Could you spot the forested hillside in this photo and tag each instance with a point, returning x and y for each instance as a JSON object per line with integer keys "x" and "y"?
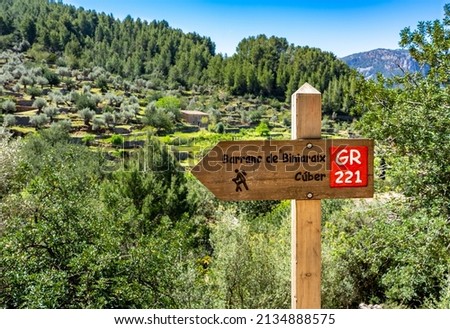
{"x": 98, "y": 208}
{"x": 167, "y": 57}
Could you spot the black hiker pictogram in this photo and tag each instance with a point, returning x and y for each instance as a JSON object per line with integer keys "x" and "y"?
{"x": 240, "y": 179}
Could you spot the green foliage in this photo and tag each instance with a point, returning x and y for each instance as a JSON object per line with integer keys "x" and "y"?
{"x": 263, "y": 129}
{"x": 165, "y": 56}
{"x": 109, "y": 118}
{"x": 42, "y": 81}
{"x": 220, "y": 128}
{"x": 159, "y": 118}
{"x": 39, "y": 120}
{"x": 28, "y": 29}
{"x": 9, "y": 161}
{"x": 251, "y": 266}
{"x": 69, "y": 83}
{"x": 98, "y": 123}
{"x": 255, "y": 115}
{"x": 51, "y": 229}
{"x": 148, "y": 191}
{"x": 84, "y": 101}
{"x": 34, "y": 92}
{"x": 168, "y": 103}
{"x": 87, "y": 115}
{"x": 395, "y": 251}
{"x": 52, "y": 78}
{"x": 88, "y": 139}
{"x": 411, "y": 122}
{"x": 25, "y": 81}
{"x": 9, "y": 120}
{"x": 8, "y": 106}
{"x": 384, "y": 253}
{"x": 50, "y": 112}
{"x": 128, "y": 47}
{"x": 253, "y": 209}
{"x": 272, "y": 67}
{"x": 102, "y": 83}
{"x": 80, "y": 231}
{"x": 428, "y": 44}
{"x": 39, "y": 103}
{"x": 117, "y": 140}
{"x": 136, "y": 250}
{"x": 59, "y": 132}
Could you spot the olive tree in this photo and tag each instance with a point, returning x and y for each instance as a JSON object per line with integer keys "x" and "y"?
{"x": 8, "y": 106}
{"x": 40, "y": 103}
{"x": 39, "y": 120}
{"x": 50, "y": 112}
{"x": 26, "y": 81}
{"x": 9, "y": 120}
{"x": 158, "y": 118}
{"x": 87, "y": 115}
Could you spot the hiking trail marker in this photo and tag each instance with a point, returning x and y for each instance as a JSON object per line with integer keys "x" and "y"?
{"x": 305, "y": 169}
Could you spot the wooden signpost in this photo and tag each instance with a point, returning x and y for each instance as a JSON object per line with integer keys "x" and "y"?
{"x": 305, "y": 169}
{"x": 297, "y": 169}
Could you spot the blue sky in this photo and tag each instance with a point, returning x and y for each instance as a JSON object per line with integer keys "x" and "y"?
{"x": 340, "y": 26}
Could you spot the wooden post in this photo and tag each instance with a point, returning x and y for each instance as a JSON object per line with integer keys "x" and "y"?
{"x": 306, "y": 214}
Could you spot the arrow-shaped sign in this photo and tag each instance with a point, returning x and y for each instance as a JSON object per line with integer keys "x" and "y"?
{"x": 292, "y": 169}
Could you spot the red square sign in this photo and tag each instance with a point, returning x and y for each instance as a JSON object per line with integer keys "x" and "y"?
{"x": 349, "y": 166}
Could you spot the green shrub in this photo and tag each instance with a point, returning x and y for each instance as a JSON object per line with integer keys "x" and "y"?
{"x": 263, "y": 129}
{"x": 384, "y": 253}
{"x": 181, "y": 141}
{"x": 220, "y": 128}
{"x": 251, "y": 264}
{"x": 88, "y": 139}
{"x": 117, "y": 140}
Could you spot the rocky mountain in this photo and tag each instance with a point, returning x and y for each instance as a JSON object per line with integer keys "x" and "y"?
{"x": 388, "y": 62}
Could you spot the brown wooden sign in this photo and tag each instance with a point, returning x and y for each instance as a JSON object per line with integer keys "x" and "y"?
{"x": 292, "y": 169}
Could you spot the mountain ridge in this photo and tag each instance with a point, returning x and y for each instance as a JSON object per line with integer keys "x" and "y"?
{"x": 388, "y": 62}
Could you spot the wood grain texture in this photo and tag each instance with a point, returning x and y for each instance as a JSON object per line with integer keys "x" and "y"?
{"x": 274, "y": 171}
{"x": 306, "y": 214}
